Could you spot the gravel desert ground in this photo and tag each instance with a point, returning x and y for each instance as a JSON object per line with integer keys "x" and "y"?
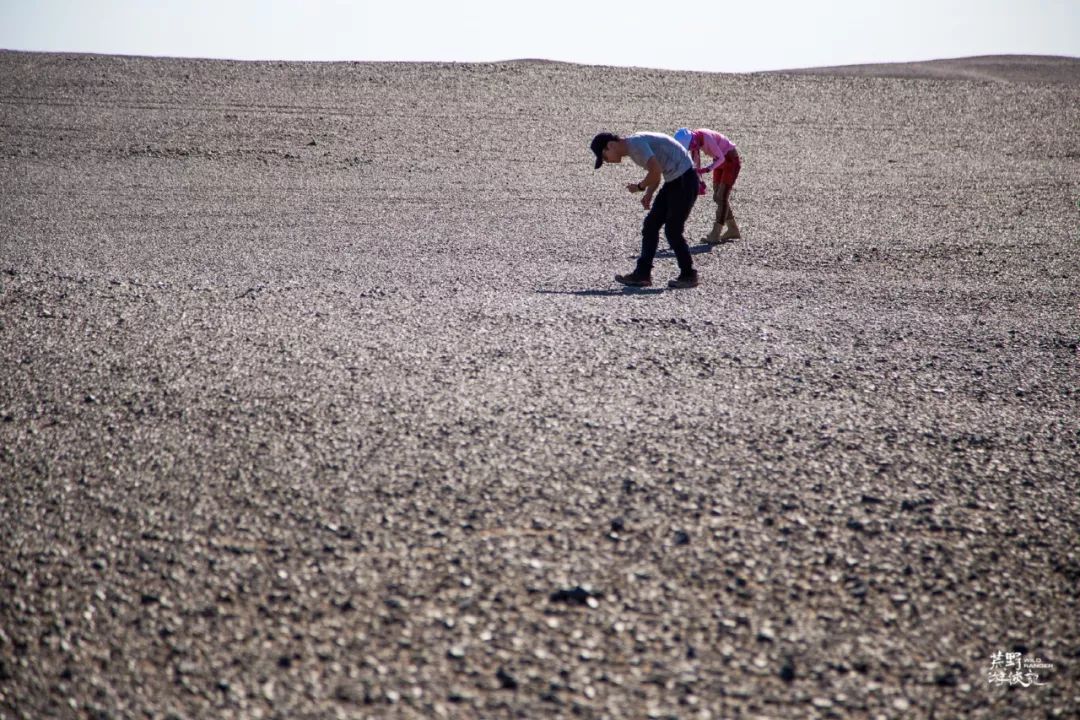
{"x": 318, "y": 399}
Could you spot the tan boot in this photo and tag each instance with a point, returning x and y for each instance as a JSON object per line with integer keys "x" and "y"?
{"x": 714, "y": 235}
{"x": 732, "y": 232}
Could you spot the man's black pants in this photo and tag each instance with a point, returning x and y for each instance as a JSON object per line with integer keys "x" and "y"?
{"x": 670, "y": 208}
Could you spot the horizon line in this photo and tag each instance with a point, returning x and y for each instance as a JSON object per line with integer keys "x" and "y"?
{"x": 541, "y": 61}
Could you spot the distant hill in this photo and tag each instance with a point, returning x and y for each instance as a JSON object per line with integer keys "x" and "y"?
{"x": 997, "y": 68}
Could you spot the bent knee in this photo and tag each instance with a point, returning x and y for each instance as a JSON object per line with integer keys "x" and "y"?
{"x": 674, "y": 232}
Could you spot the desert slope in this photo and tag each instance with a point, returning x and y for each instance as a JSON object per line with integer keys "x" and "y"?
{"x": 1024, "y": 69}
{"x": 317, "y": 398}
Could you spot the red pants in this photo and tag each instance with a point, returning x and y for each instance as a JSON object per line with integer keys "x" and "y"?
{"x": 729, "y": 171}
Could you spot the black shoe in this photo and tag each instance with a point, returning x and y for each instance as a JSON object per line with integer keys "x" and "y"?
{"x": 634, "y": 279}
{"x": 684, "y": 281}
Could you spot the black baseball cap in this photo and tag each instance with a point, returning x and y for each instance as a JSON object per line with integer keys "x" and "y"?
{"x": 599, "y": 143}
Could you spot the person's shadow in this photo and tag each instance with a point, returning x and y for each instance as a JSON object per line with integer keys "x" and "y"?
{"x": 694, "y": 250}
{"x": 610, "y": 292}
{"x": 628, "y": 289}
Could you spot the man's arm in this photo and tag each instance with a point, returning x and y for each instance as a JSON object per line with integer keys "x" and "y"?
{"x": 650, "y": 183}
{"x": 652, "y": 178}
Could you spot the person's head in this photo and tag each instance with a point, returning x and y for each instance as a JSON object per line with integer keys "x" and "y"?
{"x": 601, "y": 146}
{"x": 689, "y": 139}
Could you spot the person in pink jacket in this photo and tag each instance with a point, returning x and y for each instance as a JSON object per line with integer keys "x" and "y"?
{"x": 725, "y": 170}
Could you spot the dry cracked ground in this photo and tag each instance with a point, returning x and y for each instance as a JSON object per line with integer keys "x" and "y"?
{"x": 318, "y": 399}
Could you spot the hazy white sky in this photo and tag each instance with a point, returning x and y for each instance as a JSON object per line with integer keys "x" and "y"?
{"x": 681, "y": 34}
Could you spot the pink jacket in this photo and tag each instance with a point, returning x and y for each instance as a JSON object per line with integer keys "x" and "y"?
{"x": 713, "y": 143}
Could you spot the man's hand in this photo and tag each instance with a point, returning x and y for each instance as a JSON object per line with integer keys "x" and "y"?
{"x": 634, "y": 187}
{"x": 646, "y": 202}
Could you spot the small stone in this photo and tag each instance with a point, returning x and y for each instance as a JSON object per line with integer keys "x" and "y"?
{"x": 946, "y": 679}
{"x": 506, "y": 680}
{"x": 577, "y": 595}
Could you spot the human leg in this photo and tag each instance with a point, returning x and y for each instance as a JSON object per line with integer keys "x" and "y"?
{"x": 650, "y": 239}
{"x": 732, "y": 231}
{"x": 731, "y": 167}
{"x": 719, "y": 197}
{"x": 683, "y": 196}
{"x": 724, "y": 178}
